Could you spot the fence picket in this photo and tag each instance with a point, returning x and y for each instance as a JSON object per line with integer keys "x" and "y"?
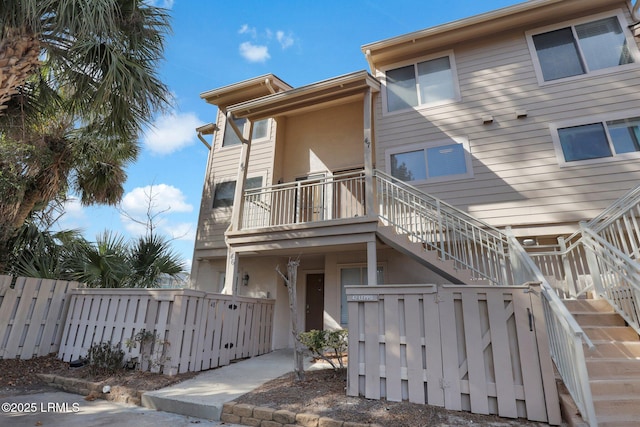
{"x": 482, "y": 353}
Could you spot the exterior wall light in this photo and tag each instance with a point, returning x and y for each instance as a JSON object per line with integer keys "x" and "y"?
{"x": 245, "y": 279}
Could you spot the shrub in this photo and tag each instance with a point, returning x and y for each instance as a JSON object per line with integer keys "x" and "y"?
{"x": 104, "y": 358}
{"x": 319, "y": 342}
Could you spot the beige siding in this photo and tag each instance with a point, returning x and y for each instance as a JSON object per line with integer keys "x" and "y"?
{"x": 224, "y": 167}
{"x": 517, "y": 178}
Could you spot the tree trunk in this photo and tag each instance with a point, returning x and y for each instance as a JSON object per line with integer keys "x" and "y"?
{"x": 19, "y": 52}
{"x": 291, "y": 280}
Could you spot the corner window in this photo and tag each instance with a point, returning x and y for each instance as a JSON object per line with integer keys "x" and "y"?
{"x": 580, "y": 49}
{"x": 260, "y": 131}
{"x": 599, "y": 140}
{"x": 225, "y": 191}
{"x": 423, "y": 83}
{"x": 441, "y": 160}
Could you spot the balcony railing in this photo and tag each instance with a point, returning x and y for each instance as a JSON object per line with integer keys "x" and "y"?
{"x": 306, "y": 201}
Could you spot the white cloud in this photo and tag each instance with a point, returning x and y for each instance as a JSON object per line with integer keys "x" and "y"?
{"x": 285, "y": 40}
{"x": 167, "y": 4}
{"x": 73, "y": 209}
{"x": 246, "y": 29}
{"x": 171, "y": 133}
{"x": 161, "y": 197}
{"x": 254, "y": 53}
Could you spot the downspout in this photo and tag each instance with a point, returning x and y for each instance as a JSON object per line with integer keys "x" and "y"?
{"x": 267, "y": 83}
{"x": 367, "y": 55}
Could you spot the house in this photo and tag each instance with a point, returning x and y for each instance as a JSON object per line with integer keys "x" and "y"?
{"x": 517, "y": 124}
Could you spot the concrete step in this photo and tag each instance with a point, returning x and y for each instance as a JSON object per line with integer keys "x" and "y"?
{"x": 599, "y": 319}
{"x": 615, "y": 387}
{"x": 617, "y": 349}
{"x": 588, "y": 306}
{"x": 611, "y": 333}
{"x": 624, "y": 407}
{"x": 612, "y": 368}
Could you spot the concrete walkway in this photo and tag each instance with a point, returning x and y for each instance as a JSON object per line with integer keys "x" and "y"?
{"x": 204, "y": 395}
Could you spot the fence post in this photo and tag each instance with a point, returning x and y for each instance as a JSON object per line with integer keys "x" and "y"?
{"x": 594, "y": 266}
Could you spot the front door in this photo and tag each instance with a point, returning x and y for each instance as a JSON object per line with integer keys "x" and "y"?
{"x": 314, "y": 312}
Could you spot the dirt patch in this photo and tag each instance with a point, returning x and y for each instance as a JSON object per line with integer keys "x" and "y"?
{"x": 18, "y": 377}
{"x": 322, "y": 393}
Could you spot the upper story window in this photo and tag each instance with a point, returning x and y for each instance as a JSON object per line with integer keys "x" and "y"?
{"x": 602, "y": 140}
{"x": 225, "y": 191}
{"x": 428, "y": 82}
{"x": 435, "y": 161}
{"x": 582, "y": 48}
{"x": 260, "y": 131}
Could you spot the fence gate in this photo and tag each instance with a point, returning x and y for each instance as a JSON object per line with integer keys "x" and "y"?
{"x": 473, "y": 348}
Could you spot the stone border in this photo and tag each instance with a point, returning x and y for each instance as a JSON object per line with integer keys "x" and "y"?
{"x": 258, "y": 416}
{"x": 118, "y": 393}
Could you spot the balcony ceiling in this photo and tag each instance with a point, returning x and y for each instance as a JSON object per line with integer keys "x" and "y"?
{"x": 338, "y": 90}
{"x": 248, "y": 89}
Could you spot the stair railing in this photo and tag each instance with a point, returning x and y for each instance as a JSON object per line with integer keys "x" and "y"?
{"x": 619, "y": 224}
{"x": 566, "y": 337}
{"x": 470, "y": 243}
{"x": 616, "y": 277}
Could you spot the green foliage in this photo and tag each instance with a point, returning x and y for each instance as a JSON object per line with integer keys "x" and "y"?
{"x": 320, "y": 342}
{"x": 105, "y": 358}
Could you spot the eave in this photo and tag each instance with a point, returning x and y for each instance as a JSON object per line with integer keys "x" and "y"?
{"x": 248, "y": 89}
{"x": 519, "y": 16}
{"x": 317, "y": 95}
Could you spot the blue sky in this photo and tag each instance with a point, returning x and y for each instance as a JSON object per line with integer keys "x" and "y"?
{"x": 216, "y": 43}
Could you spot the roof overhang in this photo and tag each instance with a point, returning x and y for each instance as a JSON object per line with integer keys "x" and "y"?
{"x": 337, "y": 90}
{"x": 247, "y": 89}
{"x": 520, "y": 16}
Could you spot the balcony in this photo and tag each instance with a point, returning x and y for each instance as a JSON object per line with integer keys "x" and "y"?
{"x": 305, "y": 202}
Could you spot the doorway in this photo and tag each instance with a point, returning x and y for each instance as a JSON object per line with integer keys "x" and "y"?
{"x": 314, "y": 304}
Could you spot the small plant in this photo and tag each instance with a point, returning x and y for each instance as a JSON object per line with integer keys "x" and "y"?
{"x": 104, "y": 358}
{"x": 319, "y": 342}
{"x": 153, "y": 349}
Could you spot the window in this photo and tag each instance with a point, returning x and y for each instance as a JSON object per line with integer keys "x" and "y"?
{"x": 422, "y": 83}
{"x": 354, "y": 276}
{"x": 441, "y": 160}
{"x": 260, "y": 131}
{"x": 223, "y": 196}
{"x": 599, "y": 140}
{"x": 581, "y": 49}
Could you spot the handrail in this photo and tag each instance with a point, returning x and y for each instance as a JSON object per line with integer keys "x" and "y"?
{"x": 470, "y": 243}
{"x": 435, "y": 200}
{"x": 565, "y": 336}
{"x": 605, "y": 218}
{"x": 617, "y": 277}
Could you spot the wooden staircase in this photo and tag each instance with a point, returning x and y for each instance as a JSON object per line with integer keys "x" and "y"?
{"x": 613, "y": 365}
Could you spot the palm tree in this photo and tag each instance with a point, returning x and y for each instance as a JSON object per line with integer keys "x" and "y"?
{"x": 151, "y": 259}
{"x": 78, "y": 82}
{"x": 102, "y": 264}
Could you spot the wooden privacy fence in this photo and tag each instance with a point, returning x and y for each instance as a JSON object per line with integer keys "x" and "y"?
{"x": 32, "y": 315}
{"x": 472, "y": 348}
{"x": 196, "y": 330}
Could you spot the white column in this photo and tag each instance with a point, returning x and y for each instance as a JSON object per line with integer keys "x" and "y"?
{"x": 368, "y": 154}
{"x": 238, "y": 198}
{"x": 231, "y": 272}
{"x": 372, "y": 263}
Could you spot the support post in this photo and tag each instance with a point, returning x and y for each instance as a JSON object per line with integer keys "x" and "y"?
{"x": 231, "y": 272}
{"x": 372, "y": 263}
{"x": 238, "y": 197}
{"x": 368, "y": 155}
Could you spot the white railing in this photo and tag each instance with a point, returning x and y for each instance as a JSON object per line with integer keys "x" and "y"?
{"x": 566, "y": 337}
{"x": 469, "y": 242}
{"x": 316, "y": 199}
{"x": 615, "y": 276}
{"x": 619, "y": 224}
{"x": 564, "y": 266}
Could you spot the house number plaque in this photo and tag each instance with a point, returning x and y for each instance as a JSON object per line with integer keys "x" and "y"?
{"x": 362, "y": 298}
